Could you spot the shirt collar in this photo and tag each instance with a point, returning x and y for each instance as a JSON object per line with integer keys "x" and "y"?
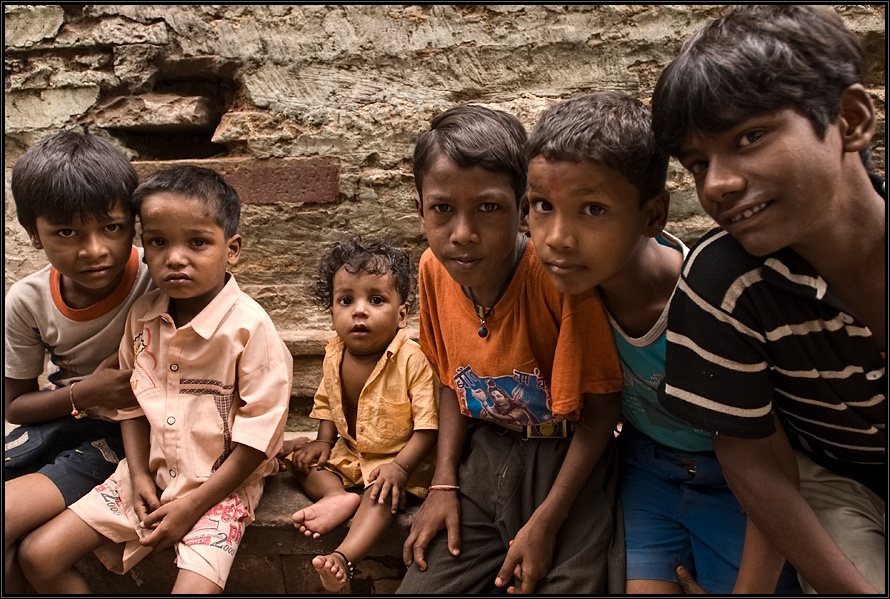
{"x": 209, "y": 319}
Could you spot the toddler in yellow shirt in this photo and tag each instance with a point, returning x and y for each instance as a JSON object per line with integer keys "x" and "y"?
{"x": 377, "y": 406}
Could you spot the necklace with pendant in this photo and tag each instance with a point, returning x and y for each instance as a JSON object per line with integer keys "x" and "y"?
{"x": 481, "y": 312}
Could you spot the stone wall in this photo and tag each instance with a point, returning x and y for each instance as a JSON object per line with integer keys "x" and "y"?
{"x": 312, "y": 111}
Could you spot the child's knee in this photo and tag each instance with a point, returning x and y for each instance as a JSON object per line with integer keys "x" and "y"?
{"x": 36, "y": 555}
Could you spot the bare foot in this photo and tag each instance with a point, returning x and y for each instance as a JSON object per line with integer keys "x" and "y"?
{"x": 326, "y": 514}
{"x": 332, "y": 570}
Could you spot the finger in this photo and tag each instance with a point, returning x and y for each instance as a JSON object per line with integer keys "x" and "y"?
{"x": 528, "y": 584}
{"x": 508, "y": 569}
{"x": 420, "y": 553}
{"x": 385, "y": 490}
{"x": 408, "y": 551}
{"x": 375, "y": 491}
{"x": 109, "y": 362}
{"x": 453, "y": 528}
{"x": 396, "y": 499}
{"x": 690, "y": 586}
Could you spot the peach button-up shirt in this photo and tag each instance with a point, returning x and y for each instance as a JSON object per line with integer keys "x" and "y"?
{"x": 399, "y": 397}
{"x": 223, "y": 378}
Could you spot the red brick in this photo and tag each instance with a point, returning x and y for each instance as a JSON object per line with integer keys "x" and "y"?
{"x": 288, "y": 180}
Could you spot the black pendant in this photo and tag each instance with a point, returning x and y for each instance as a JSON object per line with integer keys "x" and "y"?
{"x": 483, "y": 332}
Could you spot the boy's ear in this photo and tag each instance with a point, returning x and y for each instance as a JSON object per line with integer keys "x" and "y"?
{"x": 403, "y": 315}
{"x": 524, "y": 207}
{"x": 234, "y": 249}
{"x": 35, "y": 240}
{"x": 655, "y": 213}
{"x": 857, "y": 118}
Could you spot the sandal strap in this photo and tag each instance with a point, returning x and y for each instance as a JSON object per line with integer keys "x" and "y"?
{"x": 350, "y": 568}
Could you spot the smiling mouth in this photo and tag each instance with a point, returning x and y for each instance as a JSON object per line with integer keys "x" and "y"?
{"x": 747, "y": 213}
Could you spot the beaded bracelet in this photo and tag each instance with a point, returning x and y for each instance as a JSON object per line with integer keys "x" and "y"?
{"x": 444, "y": 488}
{"x": 74, "y": 411}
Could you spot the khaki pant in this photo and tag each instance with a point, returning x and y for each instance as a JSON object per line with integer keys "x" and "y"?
{"x": 852, "y": 514}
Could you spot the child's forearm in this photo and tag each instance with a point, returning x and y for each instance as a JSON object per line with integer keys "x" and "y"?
{"x": 592, "y": 435}
{"x": 416, "y": 449}
{"x": 327, "y": 431}
{"x": 136, "y": 434}
{"x": 452, "y": 433}
{"x": 25, "y": 403}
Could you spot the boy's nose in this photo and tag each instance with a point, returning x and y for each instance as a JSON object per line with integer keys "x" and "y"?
{"x": 721, "y": 181}
{"x": 463, "y": 231}
{"x": 175, "y": 258}
{"x": 560, "y": 235}
{"x": 93, "y": 247}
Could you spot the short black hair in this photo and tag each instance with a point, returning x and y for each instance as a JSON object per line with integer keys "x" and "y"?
{"x": 197, "y": 182}
{"x": 753, "y": 60}
{"x": 68, "y": 176}
{"x": 609, "y": 127}
{"x": 473, "y": 135}
{"x": 376, "y": 257}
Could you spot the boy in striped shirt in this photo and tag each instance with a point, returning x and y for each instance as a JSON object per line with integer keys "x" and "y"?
{"x": 782, "y": 308}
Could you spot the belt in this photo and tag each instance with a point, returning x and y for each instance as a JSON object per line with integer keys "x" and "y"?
{"x": 553, "y": 430}
{"x": 688, "y": 463}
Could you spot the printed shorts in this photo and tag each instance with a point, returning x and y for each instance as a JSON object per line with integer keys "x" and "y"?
{"x": 208, "y": 549}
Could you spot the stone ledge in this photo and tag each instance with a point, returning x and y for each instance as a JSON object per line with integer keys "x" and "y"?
{"x": 274, "y": 557}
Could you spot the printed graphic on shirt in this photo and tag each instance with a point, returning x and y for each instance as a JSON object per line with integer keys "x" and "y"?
{"x": 520, "y": 399}
{"x": 221, "y": 527}
{"x": 144, "y": 362}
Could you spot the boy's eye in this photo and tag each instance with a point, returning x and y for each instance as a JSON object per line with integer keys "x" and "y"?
{"x": 697, "y": 168}
{"x": 113, "y": 228}
{"x": 541, "y": 206}
{"x": 488, "y": 207}
{"x": 199, "y": 242}
{"x": 66, "y": 233}
{"x": 749, "y": 138}
{"x": 154, "y": 242}
{"x": 592, "y": 210}
{"x": 377, "y": 300}
{"x": 344, "y": 301}
{"x": 441, "y": 208}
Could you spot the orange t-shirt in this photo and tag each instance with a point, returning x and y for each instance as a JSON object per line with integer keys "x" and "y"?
{"x": 544, "y": 350}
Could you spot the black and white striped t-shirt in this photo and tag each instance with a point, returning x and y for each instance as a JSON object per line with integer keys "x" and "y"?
{"x": 747, "y": 334}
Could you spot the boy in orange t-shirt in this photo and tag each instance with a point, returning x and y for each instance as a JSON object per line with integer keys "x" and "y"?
{"x": 523, "y": 368}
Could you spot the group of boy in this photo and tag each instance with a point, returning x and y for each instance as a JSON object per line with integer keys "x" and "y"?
{"x": 747, "y": 376}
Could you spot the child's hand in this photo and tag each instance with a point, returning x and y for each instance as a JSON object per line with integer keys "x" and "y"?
{"x": 441, "y": 509}
{"x": 314, "y": 453}
{"x": 528, "y": 559}
{"x": 107, "y": 386}
{"x": 169, "y": 523}
{"x": 288, "y": 447}
{"x": 145, "y": 494}
{"x": 389, "y": 479}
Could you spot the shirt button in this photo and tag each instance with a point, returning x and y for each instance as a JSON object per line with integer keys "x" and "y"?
{"x": 172, "y": 473}
{"x": 171, "y": 420}
{"x": 873, "y": 375}
{"x": 174, "y": 367}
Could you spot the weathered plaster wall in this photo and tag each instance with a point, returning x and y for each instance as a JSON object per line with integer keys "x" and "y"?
{"x": 313, "y": 110}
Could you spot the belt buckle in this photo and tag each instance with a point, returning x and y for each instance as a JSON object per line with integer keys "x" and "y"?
{"x": 688, "y": 464}
{"x": 550, "y": 430}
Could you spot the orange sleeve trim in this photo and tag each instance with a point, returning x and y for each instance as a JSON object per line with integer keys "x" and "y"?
{"x": 102, "y": 307}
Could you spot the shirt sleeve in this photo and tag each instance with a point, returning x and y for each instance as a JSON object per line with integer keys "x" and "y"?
{"x": 321, "y": 405}
{"x": 265, "y": 378}
{"x": 423, "y": 390}
{"x": 24, "y": 353}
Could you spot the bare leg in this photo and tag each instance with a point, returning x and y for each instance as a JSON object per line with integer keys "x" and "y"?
{"x": 48, "y": 554}
{"x": 653, "y": 587}
{"x": 334, "y": 504}
{"x": 28, "y": 502}
{"x": 370, "y": 523}
{"x": 192, "y": 583}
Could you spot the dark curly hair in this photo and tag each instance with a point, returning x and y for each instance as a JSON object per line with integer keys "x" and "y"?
{"x": 376, "y": 257}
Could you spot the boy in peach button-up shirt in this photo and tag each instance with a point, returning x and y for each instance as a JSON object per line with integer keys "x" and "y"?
{"x": 213, "y": 381}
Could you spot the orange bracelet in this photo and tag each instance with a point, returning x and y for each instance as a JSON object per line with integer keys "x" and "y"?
{"x": 74, "y": 411}
{"x": 444, "y": 488}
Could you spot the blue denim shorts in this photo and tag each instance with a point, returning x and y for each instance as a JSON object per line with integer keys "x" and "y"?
{"x": 76, "y": 455}
{"x": 678, "y": 509}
